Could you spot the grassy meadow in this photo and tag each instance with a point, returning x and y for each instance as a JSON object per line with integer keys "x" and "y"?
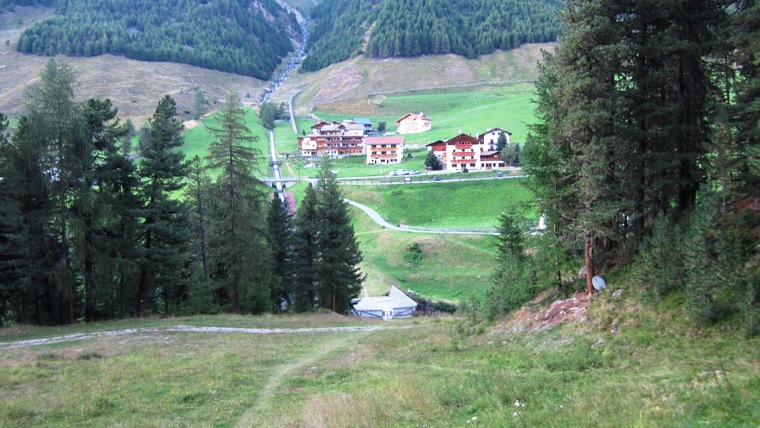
{"x": 629, "y": 365}
{"x": 461, "y": 205}
{"x": 453, "y": 111}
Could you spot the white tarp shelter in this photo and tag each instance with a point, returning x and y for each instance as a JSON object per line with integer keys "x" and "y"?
{"x": 395, "y": 305}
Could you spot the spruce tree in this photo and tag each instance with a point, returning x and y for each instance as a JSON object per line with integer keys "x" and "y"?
{"x": 305, "y": 252}
{"x": 166, "y": 234}
{"x": 338, "y": 274}
{"x": 279, "y": 221}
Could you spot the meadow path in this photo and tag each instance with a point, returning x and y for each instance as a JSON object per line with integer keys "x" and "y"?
{"x": 189, "y": 329}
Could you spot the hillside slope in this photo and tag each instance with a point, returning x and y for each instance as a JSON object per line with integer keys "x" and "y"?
{"x": 234, "y": 36}
{"x": 396, "y": 28}
{"x": 134, "y": 86}
{"x": 359, "y": 84}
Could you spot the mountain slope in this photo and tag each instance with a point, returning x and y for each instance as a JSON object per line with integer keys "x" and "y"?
{"x": 235, "y": 36}
{"x": 398, "y": 28}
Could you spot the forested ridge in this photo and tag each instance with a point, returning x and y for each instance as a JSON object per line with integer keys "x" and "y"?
{"x": 234, "y": 36}
{"x": 406, "y": 29}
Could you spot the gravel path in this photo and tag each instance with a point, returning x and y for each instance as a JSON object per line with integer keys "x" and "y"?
{"x": 191, "y": 329}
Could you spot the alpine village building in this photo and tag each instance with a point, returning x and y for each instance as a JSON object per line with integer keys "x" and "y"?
{"x": 413, "y": 124}
{"x": 464, "y": 151}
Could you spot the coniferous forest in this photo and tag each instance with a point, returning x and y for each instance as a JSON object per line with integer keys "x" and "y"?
{"x": 646, "y": 158}
{"x": 88, "y": 233}
{"x": 399, "y": 28}
{"x": 225, "y": 35}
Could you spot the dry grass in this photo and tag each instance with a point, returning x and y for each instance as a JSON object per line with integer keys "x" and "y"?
{"x": 134, "y": 86}
{"x": 360, "y": 82}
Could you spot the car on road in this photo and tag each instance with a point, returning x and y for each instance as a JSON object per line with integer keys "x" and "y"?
{"x": 500, "y": 174}
{"x": 436, "y": 178}
{"x": 392, "y": 174}
{"x": 465, "y": 170}
{"x": 402, "y": 172}
{"x": 414, "y": 172}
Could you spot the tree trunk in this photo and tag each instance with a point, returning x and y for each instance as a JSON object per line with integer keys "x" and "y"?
{"x": 589, "y": 264}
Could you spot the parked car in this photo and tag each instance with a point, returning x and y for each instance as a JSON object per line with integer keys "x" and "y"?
{"x": 392, "y": 174}
{"x": 414, "y": 172}
{"x": 465, "y": 170}
{"x": 500, "y": 174}
{"x": 403, "y": 172}
{"x": 436, "y": 178}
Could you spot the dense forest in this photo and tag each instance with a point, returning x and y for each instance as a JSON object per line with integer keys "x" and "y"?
{"x": 89, "y": 233}
{"x": 9, "y": 4}
{"x": 399, "y": 28}
{"x": 227, "y": 35}
{"x": 646, "y": 159}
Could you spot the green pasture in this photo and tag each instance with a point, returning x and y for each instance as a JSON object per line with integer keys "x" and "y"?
{"x": 617, "y": 369}
{"x": 198, "y": 139}
{"x": 458, "y": 110}
{"x": 460, "y": 205}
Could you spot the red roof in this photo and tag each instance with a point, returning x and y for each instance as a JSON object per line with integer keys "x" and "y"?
{"x": 416, "y": 117}
{"x": 463, "y": 138}
{"x": 396, "y": 140}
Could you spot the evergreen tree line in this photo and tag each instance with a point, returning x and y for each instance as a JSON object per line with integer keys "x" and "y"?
{"x": 10, "y": 4}
{"x": 646, "y": 155}
{"x": 87, "y": 233}
{"x": 225, "y": 35}
{"x": 406, "y": 29}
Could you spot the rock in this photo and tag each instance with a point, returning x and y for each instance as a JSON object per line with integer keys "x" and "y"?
{"x": 617, "y": 293}
{"x": 599, "y": 283}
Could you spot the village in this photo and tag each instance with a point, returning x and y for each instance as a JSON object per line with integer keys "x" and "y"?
{"x": 357, "y": 137}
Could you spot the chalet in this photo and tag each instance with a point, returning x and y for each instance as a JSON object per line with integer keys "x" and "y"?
{"x": 464, "y": 151}
{"x": 384, "y": 150}
{"x": 395, "y": 305}
{"x": 491, "y": 138}
{"x": 332, "y": 139}
{"x": 413, "y": 124}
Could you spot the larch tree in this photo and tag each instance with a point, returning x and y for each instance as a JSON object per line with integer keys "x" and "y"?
{"x": 237, "y": 231}
{"x": 54, "y": 117}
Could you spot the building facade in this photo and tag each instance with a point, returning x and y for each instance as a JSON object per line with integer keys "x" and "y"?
{"x": 384, "y": 150}
{"x": 466, "y": 152}
{"x": 332, "y": 139}
{"x": 413, "y": 124}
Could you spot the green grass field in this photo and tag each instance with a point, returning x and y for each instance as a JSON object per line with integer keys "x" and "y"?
{"x": 454, "y": 111}
{"x": 630, "y": 365}
{"x": 198, "y": 139}
{"x": 470, "y": 204}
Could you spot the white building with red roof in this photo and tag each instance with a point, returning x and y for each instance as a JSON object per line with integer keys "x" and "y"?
{"x": 413, "y": 124}
{"x": 384, "y": 150}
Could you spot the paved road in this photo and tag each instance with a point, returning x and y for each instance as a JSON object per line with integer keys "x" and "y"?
{"x": 381, "y": 222}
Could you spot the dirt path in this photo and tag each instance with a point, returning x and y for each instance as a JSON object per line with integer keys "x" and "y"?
{"x": 256, "y": 415}
{"x": 190, "y": 329}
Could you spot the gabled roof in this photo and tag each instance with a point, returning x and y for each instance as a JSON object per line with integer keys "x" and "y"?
{"x": 481, "y": 136}
{"x": 463, "y": 138}
{"x": 362, "y": 120}
{"x": 414, "y": 116}
{"x": 396, "y": 299}
{"x": 395, "y": 140}
{"x": 436, "y": 143}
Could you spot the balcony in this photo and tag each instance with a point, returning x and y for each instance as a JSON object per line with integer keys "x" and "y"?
{"x": 470, "y": 153}
{"x": 463, "y": 145}
{"x": 458, "y": 161}
{"x": 383, "y": 156}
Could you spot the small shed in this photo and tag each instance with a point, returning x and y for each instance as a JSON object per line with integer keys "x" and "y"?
{"x": 395, "y": 305}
